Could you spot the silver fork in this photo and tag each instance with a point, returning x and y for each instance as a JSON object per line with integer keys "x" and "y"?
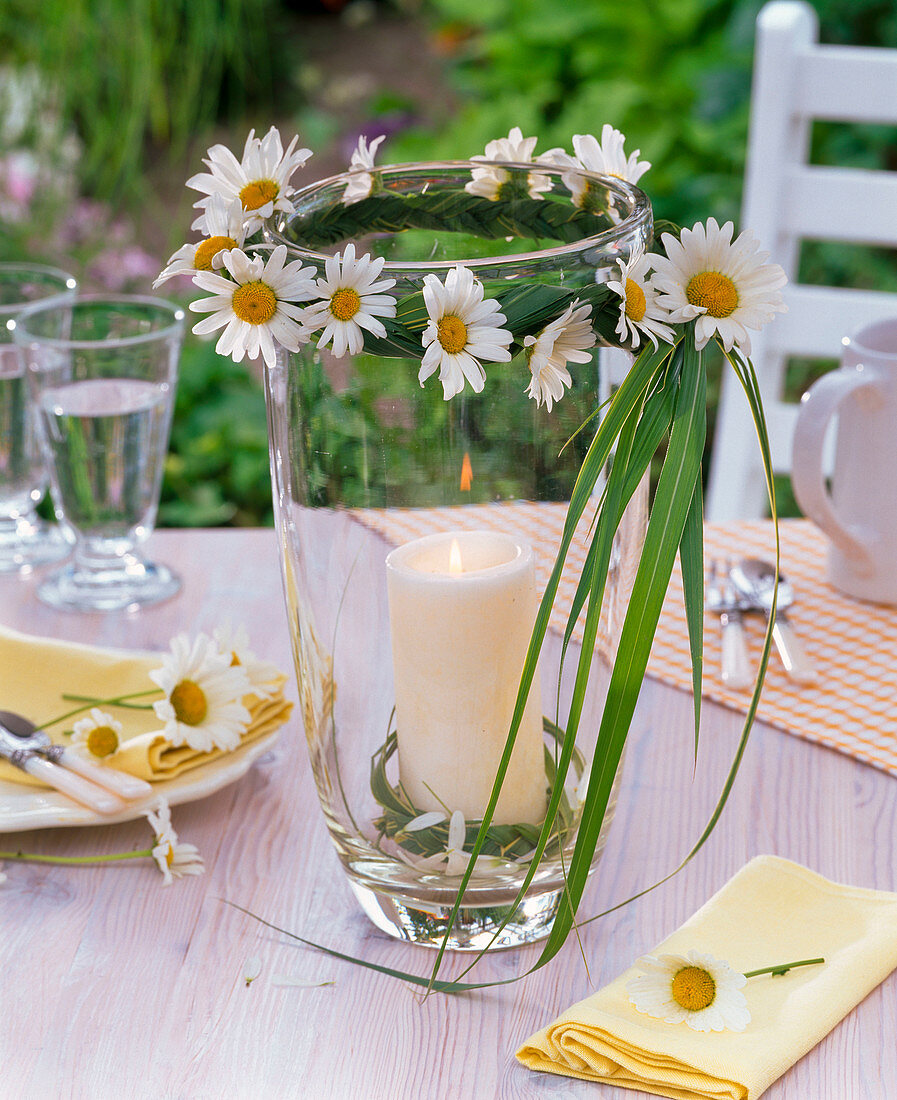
{"x": 723, "y": 599}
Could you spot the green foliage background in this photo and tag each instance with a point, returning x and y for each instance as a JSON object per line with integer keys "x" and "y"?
{"x": 137, "y": 78}
{"x": 673, "y": 75}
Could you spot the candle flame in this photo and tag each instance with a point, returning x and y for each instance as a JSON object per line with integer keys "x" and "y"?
{"x": 466, "y": 473}
{"x": 455, "y": 564}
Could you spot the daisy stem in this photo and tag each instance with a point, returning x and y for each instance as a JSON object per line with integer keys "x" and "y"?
{"x": 89, "y": 701}
{"x": 776, "y": 971}
{"x": 30, "y": 857}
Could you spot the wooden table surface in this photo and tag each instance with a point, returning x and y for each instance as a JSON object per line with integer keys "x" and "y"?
{"x": 117, "y": 987}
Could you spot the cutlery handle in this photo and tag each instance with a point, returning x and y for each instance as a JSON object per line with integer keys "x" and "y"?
{"x": 735, "y": 663}
{"x": 120, "y": 783}
{"x": 95, "y": 798}
{"x": 797, "y": 664}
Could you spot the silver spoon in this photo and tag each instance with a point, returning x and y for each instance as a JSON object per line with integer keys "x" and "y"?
{"x": 756, "y": 579}
{"x": 31, "y": 739}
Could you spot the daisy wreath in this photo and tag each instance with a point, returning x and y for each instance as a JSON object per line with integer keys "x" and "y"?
{"x": 705, "y": 287}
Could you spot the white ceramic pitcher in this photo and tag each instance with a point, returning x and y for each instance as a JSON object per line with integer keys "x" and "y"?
{"x": 860, "y": 513}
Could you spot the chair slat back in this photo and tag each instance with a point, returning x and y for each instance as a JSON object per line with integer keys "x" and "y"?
{"x": 787, "y": 200}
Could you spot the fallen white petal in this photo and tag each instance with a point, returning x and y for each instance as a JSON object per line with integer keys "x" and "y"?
{"x": 287, "y": 982}
{"x": 252, "y": 969}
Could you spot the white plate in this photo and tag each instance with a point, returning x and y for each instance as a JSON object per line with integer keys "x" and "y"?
{"x": 32, "y": 808}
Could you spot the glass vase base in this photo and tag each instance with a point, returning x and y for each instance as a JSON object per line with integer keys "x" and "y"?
{"x": 113, "y": 589}
{"x": 26, "y": 544}
{"x": 474, "y": 929}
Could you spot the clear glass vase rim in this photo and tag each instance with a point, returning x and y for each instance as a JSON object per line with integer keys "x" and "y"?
{"x": 640, "y": 218}
{"x": 68, "y": 285}
{"x": 175, "y": 312}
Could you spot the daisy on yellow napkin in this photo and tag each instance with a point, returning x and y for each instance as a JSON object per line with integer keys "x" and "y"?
{"x": 177, "y": 711}
{"x": 772, "y": 912}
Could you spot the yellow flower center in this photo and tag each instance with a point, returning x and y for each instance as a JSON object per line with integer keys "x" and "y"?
{"x": 254, "y": 303}
{"x": 714, "y": 291}
{"x": 693, "y": 988}
{"x": 452, "y": 333}
{"x": 345, "y": 303}
{"x": 209, "y": 249}
{"x": 636, "y": 303}
{"x": 102, "y": 741}
{"x": 170, "y": 853}
{"x": 257, "y": 193}
{"x": 189, "y": 702}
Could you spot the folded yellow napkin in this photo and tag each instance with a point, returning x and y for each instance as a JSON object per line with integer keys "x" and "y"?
{"x": 36, "y": 672}
{"x": 773, "y": 911}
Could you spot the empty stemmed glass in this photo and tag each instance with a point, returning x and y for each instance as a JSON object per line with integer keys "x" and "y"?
{"x": 25, "y": 540}
{"x": 105, "y": 394}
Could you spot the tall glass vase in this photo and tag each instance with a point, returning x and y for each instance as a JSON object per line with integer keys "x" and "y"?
{"x": 417, "y": 534}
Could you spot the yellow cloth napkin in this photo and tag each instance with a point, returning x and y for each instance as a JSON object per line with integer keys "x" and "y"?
{"x": 36, "y": 672}
{"x": 773, "y": 911}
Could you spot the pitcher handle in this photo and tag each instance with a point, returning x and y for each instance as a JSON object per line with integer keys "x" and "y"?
{"x": 818, "y": 405}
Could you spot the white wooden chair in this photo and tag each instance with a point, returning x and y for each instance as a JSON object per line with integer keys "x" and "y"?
{"x": 787, "y": 200}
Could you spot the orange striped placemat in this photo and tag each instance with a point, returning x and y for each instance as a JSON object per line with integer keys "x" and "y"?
{"x": 852, "y": 644}
{"x": 852, "y": 708}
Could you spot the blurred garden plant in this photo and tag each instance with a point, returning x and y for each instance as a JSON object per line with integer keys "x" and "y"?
{"x": 167, "y": 70}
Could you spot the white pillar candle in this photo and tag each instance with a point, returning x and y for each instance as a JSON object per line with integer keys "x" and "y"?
{"x": 461, "y": 609}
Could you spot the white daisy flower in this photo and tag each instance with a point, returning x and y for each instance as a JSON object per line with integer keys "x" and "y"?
{"x": 224, "y": 229}
{"x": 260, "y": 180}
{"x": 98, "y": 735}
{"x": 351, "y": 300}
{"x": 264, "y": 678}
{"x": 724, "y": 285}
{"x": 203, "y": 704}
{"x": 463, "y": 329}
{"x": 360, "y": 186}
{"x": 563, "y": 341}
{"x": 696, "y": 989}
{"x": 174, "y": 858}
{"x": 488, "y": 182}
{"x": 640, "y": 313}
{"x": 606, "y": 157}
{"x": 256, "y": 305}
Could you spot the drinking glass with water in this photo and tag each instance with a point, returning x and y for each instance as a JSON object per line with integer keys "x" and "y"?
{"x": 25, "y": 540}
{"x": 105, "y": 395}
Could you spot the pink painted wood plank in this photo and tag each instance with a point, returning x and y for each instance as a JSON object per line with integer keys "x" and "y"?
{"x": 117, "y": 987}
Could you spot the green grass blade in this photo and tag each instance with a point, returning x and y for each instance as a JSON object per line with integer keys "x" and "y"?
{"x": 654, "y": 424}
{"x": 747, "y": 377}
{"x": 672, "y": 503}
{"x": 415, "y": 979}
{"x": 691, "y": 559}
